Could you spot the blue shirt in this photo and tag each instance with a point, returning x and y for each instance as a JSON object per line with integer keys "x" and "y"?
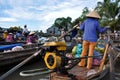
{"x": 91, "y": 28}
{"x": 74, "y": 33}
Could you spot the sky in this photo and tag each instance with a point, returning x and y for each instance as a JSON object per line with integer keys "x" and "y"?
{"x": 40, "y": 14}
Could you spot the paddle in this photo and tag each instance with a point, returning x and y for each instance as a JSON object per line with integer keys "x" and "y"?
{"x": 19, "y": 65}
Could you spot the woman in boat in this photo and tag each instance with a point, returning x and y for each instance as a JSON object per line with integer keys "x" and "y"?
{"x": 91, "y": 28}
{"x": 10, "y": 37}
{"x": 5, "y": 34}
{"x": 31, "y": 38}
{"x": 18, "y": 36}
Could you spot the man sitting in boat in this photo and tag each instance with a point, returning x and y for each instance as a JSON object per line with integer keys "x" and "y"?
{"x": 31, "y": 38}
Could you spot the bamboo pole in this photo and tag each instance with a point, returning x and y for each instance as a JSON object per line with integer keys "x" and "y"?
{"x": 105, "y": 52}
{"x": 104, "y": 58}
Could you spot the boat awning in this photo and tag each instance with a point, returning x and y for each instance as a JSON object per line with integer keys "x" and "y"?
{"x": 7, "y": 47}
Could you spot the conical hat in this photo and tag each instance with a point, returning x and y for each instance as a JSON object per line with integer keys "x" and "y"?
{"x": 93, "y": 14}
{"x": 10, "y": 33}
{"x": 32, "y": 32}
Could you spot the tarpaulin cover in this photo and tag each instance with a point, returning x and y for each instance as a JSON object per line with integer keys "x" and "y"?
{"x": 6, "y": 47}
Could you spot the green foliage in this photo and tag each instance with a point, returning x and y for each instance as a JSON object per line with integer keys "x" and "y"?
{"x": 82, "y": 17}
{"x": 14, "y": 29}
{"x": 109, "y": 12}
{"x": 63, "y": 23}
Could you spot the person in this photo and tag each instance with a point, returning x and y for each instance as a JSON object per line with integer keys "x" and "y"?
{"x": 91, "y": 28}
{"x": 10, "y": 37}
{"x": 116, "y": 35}
{"x": 31, "y": 38}
{"x": 18, "y": 35}
{"x": 5, "y": 34}
{"x": 25, "y": 31}
{"x": 62, "y": 32}
{"x": 74, "y": 33}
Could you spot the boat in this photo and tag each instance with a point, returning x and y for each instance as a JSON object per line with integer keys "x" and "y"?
{"x": 12, "y": 57}
{"x": 111, "y": 70}
{"x": 62, "y": 67}
{"x": 114, "y": 59}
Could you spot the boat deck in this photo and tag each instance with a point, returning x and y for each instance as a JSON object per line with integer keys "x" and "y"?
{"x": 111, "y": 69}
{"x": 79, "y": 72}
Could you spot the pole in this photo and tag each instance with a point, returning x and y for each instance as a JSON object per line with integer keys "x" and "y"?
{"x": 104, "y": 58}
{"x": 19, "y": 65}
{"x": 105, "y": 52}
{"x": 68, "y": 32}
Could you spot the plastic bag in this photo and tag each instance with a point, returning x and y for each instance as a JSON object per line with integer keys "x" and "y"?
{"x": 79, "y": 50}
{"x": 74, "y": 50}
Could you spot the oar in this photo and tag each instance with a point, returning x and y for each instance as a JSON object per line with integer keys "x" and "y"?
{"x": 19, "y": 65}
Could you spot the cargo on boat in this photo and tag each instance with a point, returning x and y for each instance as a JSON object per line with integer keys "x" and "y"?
{"x": 110, "y": 71}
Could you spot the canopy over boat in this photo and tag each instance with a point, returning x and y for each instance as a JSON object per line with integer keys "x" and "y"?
{"x": 6, "y": 47}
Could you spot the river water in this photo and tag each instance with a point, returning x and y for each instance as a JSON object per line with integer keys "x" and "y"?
{"x": 34, "y": 65}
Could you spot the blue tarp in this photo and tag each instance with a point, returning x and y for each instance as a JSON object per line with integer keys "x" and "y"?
{"x": 6, "y": 47}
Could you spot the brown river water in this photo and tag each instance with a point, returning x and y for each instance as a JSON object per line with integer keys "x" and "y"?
{"x": 34, "y": 65}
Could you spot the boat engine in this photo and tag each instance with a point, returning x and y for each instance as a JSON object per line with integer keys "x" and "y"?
{"x": 55, "y": 56}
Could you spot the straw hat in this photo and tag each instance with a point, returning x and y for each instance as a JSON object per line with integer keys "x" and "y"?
{"x": 93, "y": 14}
{"x": 32, "y": 32}
{"x": 10, "y": 33}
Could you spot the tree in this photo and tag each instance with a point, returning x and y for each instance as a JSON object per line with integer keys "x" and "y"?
{"x": 109, "y": 12}
{"x": 82, "y": 17}
{"x": 14, "y": 29}
{"x": 63, "y": 23}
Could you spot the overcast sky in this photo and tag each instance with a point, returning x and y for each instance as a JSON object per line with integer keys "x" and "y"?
{"x": 40, "y": 14}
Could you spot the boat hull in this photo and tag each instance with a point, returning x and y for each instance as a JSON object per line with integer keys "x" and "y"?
{"x": 9, "y": 58}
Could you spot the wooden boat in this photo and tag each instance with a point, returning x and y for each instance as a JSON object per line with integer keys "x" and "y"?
{"x": 111, "y": 70}
{"x": 7, "y": 58}
{"x": 114, "y": 59}
{"x": 57, "y": 62}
